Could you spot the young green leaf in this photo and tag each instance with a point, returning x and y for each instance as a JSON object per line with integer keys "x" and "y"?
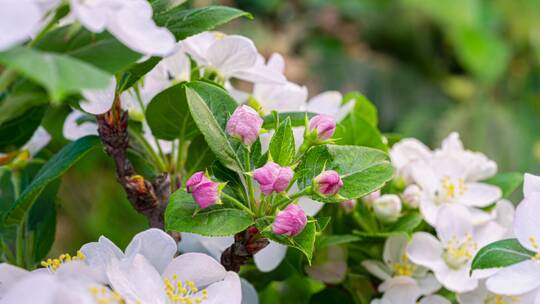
{"x": 508, "y": 182}
{"x": 305, "y": 241}
{"x": 363, "y": 170}
{"x": 53, "y": 169}
{"x": 363, "y": 108}
{"x": 184, "y": 215}
{"x": 210, "y": 107}
{"x": 59, "y": 74}
{"x": 168, "y": 115}
{"x": 282, "y": 148}
{"x": 500, "y": 254}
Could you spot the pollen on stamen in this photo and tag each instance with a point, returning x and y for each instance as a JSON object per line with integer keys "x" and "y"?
{"x": 103, "y": 295}
{"x": 54, "y": 264}
{"x": 183, "y": 292}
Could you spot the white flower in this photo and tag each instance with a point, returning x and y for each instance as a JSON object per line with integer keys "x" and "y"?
{"x": 21, "y": 19}
{"x": 434, "y": 299}
{"x": 450, "y": 255}
{"x": 78, "y": 124}
{"x": 387, "y": 208}
{"x": 405, "y": 153}
{"x": 129, "y": 21}
{"x": 444, "y": 181}
{"x": 403, "y": 281}
{"x": 482, "y": 295}
{"x": 231, "y": 56}
{"x": 523, "y": 277}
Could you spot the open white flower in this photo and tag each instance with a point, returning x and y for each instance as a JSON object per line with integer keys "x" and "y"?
{"x": 230, "y": 56}
{"x": 450, "y": 255}
{"x": 403, "y": 281}
{"x": 482, "y": 295}
{"x": 129, "y": 21}
{"x": 434, "y": 299}
{"x": 523, "y": 277}
{"x": 405, "y": 153}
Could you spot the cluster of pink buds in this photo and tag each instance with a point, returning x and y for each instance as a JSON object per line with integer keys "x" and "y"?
{"x": 273, "y": 178}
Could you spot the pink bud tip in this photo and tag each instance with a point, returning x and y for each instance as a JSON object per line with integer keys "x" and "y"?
{"x": 273, "y": 178}
{"x": 328, "y": 183}
{"x": 324, "y": 124}
{"x": 291, "y": 221}
{"x": 205, "y": 192}
{"x": 245, "y": 124}
{"x": 348, "y": 205}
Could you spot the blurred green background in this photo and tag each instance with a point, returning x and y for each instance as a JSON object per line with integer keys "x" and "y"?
{"x": 430, "y": 66}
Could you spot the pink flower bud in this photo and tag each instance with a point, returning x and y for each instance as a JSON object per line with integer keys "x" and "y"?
{"x": 411, "y": 196}
{"x": 205, "y": 192}
{"x": 324, "y": 124}
{"x": 245, "y": 124}
{"x": 291, "y": 221}
{"x": 328, "y": 183}
{"x": 348, "y": 205}
{"x": 273, "y": 178}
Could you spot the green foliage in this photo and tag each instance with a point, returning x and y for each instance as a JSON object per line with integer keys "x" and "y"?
{"x": 59, "y": 74}
{"x": 333, "y": 240}
{"x": 508, "y": 182}
{"x": 363, "y": 170}
{"x": 282, "y": 148}
{"x": 53, "y": 169}
{"x": 184, "y": 215}
{"x": 298, "y": 119}
{"x": 407, "y": 222}
{"x": 17, "y": 131}
{"x": 210, "y": 107}
{"x": 15, "y": 105}
{"x": 500, "y": 254}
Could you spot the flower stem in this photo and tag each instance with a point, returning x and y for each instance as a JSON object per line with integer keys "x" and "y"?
{"x": 237, "y": 203}
{"x": 293, "y": 197}
{"x": 252, "y": 202}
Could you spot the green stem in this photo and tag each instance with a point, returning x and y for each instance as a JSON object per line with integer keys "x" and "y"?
{"x": 252, "y": 202}
{"x": 293, "y": 197}
{"x": 7, "y": 77}
{"x": 19, "y": 240}
{"x": 237, "y": 203}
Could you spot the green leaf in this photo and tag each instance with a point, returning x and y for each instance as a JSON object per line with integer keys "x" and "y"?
{"x": 184, "y": 215}
{"x": 15, "y": 105}
{"x": 363, "y": 170}
{"x": 210, "y": 107}
{"x": 168, "y": 115}
{"x": 332, "y": 240}
{"x": 305, "y": 241}
{"x": 17, "y": 131}
{"x": 53, "y": 169}
{"x": 407, "y": 222}
{"x": 508, "y": 182}
{"x": 59, "y": 74}
{"x": 282, "y": 148}
{"x": 188, "y": 22}
{"x": 298, "y": 119}
{"x": 199, "y": 155}
{"x": 363, "y": 108}
{"x": 136, "y": 72}
{"x": 500, "y": 254}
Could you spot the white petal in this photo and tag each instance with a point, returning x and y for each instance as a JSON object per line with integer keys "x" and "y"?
{"x": 99, "y": 255}
{"x": 454, "y": 222}
{"x": 516, "y": 279}
{"x": 426, "y": 250}
{"x": 133, "y": 25}
{"x": 276, "y": 63}
{"x": 310, "y": 206}
{"x": 94, "y": 15}
{"x": 270, "y": 257}
{"x": 10, "y": 275}
{"x": 328, "y": 103}
{"x": 428, "y": 284}
{"x": 378, "y": 269}
{"x": 227, "y": 291}
{"x": 73, "y": 130}
{"x": 527, "y": 221}
{"x": 249, "y": 294}
{"x": 18, "y": 20}
{"x": 156, "y": 246}
{"x": 197, "y": 267}
{"x": 259, "y": 74}
{"x": 42, "y": 286}
{"x": 197, "y": 46}
{"x": 135, "y": 279}
{"x": 456, "y": 280}
{"x": 477, "y": 296}
{"x": 178, "y": 66}
{"x": 99, "y": 101}
{"x": 232, "y": 53}
{"x": 434, "y": 299}
{"x": 289, "y": 97}
{"x": 212, "y": 246}
{"x": 38, "y": 141}
{"x": 395, "y": 248}
{"x": 428, "y": 208}
{"x": 531, "y": 184}
{"x": 480, "y": 195}
{"x": 488, "y": 233}
{"x": 79, "y": 270}
{"x": 480, "y": 217}
{"x": 408, "y": 150}
{"x": 401, "y": 289}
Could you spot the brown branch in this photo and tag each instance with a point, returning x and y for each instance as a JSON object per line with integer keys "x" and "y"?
{"x": 246, "y": 244}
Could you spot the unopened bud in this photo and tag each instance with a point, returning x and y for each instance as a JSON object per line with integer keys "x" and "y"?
{"x": 291, "y": 221}
{"x": 324, "y": 125}
{"x": 387, "y": 208}
{"x": 328, "y": 183}
{"x": 370, "y": 198}
{"x": 245, "y": 124}
{"x": 411, "y": 196}
{"x": 273, "y": 178}
{"x": 205, "y": 192}
{"x": 349, "y": 205}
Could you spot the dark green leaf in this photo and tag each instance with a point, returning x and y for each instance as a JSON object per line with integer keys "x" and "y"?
{"x": 53, "y": 169}
{"x": 298, "y": 119}
{"x": 59, "y": 74}
{"x": 508, "y": 182}
{"x": 199, "y": 155}
{"x": 168, "y": 115}
{"x": 500, "y": 254}
{"x": 17, "y": 104}
{"x": 136, "y": 72}
{"x": 282, "y": 148}
{"x": 363, "y": 170}
{"x": 184, "y": 215}
{"x": 16, "y": 132}
{"x": 210, "y": 107}
{"x": 407, "y": 222}
{"x": 332, "y": 240}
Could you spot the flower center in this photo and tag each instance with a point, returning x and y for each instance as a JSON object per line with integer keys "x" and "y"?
{"x": 54, "y": 264}
{"x": 458, "y": 253}
{"x": 103, "y": 295}
{"x": 450, "y": 189}
{"x": 185, "y": 292}
{"x": 404, "y": 268}
{"x": 499, "y": 299}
